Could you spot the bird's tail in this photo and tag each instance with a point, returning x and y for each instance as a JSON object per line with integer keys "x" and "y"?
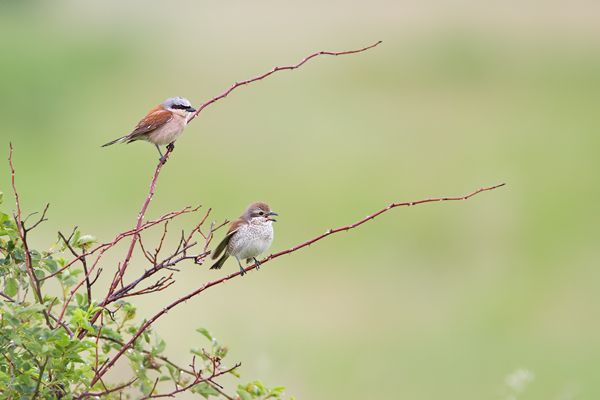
{"x": 115, "y": 141}
{"x": 221, "y": 261}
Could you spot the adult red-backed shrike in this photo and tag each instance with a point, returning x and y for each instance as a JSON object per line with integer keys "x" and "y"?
{"x": 248, "y": 237}
{"x": 162, "y": 126}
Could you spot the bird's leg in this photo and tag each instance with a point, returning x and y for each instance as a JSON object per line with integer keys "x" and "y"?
{"x": 242, "y": 272}
{"x": 256, "y": 263}
{"x": 162, "y": 159}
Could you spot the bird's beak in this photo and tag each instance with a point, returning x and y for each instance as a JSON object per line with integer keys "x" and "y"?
{"x": 272, "y": 213}
{"x": 190, "y": 109}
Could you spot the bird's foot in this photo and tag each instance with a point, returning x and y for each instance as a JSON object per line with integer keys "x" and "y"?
{"x": 163, "y": 160}
{"x": 171, "y": 146}
{"x": 242, "y": 272}
{"x": 256, "y": 264}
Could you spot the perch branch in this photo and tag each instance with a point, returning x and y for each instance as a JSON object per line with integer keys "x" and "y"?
{"x": 290, "y": 67}
{"x": 214, "y": 283}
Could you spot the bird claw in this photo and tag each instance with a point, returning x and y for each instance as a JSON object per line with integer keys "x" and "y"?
{"x": 171, "y": 146}
{"x": 256, "y": 264}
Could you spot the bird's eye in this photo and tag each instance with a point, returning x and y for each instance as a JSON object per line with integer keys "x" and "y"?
{"x": 261, "y": 213}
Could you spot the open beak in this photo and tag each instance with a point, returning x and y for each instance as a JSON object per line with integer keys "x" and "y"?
{"x": 269, "y": 217}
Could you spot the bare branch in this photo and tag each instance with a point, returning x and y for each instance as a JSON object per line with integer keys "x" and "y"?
{"x": 346, "y": 228}
{"x": 82, "y": 259}
{"x": 290, "y": 67}
{"x": 100, "y": 394}
{"x": 106, "y": 246}
{"x": 42, "y": 218}
{"x": 194, "y": 383}
{"x": 34, "y": 281}
{"x": 258, "y": 78}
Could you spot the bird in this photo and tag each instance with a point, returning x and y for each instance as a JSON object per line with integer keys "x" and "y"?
{"x": 162, "y": 126}
{"x": 248, "y": 236}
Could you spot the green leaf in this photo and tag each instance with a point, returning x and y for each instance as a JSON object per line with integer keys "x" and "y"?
{"x": 160, "y": 344}
{"x": 174, "y": 372}
{"x": 19, "y": 255}
{"x": 86, "y": 241}
{"x": 222, "y": 351}
{"x": 12, "y": 287}
{"x": 198, "y": 352}
{"x": 244, "y": 395}
{"x": 205, "y": 333}
{"x": 204, "y": 389}
{"x": 36, "y": 308}
{"x": 12, "y": 234}
{"x": 50, "y": 265}
{"x": 76, "y": 272}
{"x": 35, "y": 255}
{"x": 15, "y": 338}
{"x": 75, "y": 238}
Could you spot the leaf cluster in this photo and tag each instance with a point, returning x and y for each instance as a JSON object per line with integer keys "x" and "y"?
{"x": 54, "y": 344}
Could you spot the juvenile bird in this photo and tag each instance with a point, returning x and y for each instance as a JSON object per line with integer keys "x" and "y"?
{"x": 248, "y": 237}
{"x": 162, "y": 126}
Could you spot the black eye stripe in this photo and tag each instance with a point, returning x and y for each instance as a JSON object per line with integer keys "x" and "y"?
{"x": 180, "y": 106}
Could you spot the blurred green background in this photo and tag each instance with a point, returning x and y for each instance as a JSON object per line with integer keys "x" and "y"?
{"x": 445, "y": 300}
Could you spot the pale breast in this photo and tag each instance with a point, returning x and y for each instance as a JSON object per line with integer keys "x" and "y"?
{"x": 169, "y": 132}
{"x": 251, "y": 240}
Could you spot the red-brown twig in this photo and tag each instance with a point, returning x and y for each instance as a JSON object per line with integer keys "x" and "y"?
{"x": 161, "y": 284}
{"x": 346, "y": 228}
{"x": 34, "y": 281}
{"x": 290, "y": 67}
{"x": 106, "y": 246}
{"x": 121, "y": 272}
{"x": 12, "y": 171}
{"x": 195, "y": 382}
{"x": 100, "y": 394}
{"x": 197, "y": 228}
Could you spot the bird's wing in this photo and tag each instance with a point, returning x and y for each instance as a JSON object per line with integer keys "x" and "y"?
{"x": 155, "y": 119}
{"x": 233, "y": 228}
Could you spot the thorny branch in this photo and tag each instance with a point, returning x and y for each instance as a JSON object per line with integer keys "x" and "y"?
{"x": 35, "y": 282}
{"x": 290, "y": 67}
{"x": 108, "y": 391}
{"x": 194, "y": 383}
{"x": 370, "y": 217}
{"x": 273, "y": 256}
{"x": 107, "y": 246}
